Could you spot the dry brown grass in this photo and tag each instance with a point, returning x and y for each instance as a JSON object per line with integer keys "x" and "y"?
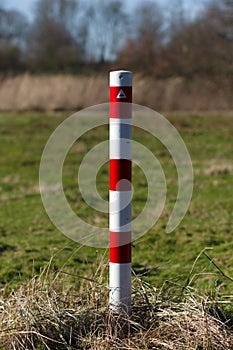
{"x": 66, "y": 92}
{"x": 219, "y": 167}
{"x": 43, "y": 314}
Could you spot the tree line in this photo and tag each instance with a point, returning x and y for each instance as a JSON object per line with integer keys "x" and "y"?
{"x": 79, "y": 37}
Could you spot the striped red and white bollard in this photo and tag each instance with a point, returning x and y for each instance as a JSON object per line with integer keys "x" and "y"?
{"x": 120, "y": 195}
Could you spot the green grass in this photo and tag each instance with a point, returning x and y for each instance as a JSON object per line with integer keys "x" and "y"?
{"x": 28, "y": 239}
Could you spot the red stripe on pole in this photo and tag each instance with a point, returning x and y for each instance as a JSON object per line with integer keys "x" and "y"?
{"x": 121, "y": 94}
{"x": 120, "y": 110}
{"x": 120, "y": 169}
{"x": 120, "y": 252}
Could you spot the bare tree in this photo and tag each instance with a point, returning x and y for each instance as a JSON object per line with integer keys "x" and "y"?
{"x": 55, "y": 39}
{"x": 220, "y": 18}
{"x": 63, "y": 11}
{"x": 141, "y": 51}
{"x": 148, "y": 21}
{"x": 13, "y": 29}
{"x": 108, "y": 28}
{"x": 176, "y": 16}
{"x": 203, "y": 46}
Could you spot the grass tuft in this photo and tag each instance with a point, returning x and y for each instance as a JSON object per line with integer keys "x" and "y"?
{"x": 45, "y": 314}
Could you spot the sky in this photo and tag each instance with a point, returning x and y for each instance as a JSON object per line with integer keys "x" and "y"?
{"x": 26, "y": 6}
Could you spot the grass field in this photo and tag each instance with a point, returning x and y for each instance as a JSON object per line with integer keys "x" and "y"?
{"x": 53, "y": 290}
{"x": 28, "y": 239}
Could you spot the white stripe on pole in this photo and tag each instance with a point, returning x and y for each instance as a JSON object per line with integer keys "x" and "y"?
{"x": 120, "y": 275}
{"x": 120, "y": 78}
{"x": 120, "y": 138}
{"x": 120, "y": 202}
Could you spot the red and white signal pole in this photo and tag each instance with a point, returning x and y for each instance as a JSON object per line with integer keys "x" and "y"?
{"x": 120, "y": 195}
